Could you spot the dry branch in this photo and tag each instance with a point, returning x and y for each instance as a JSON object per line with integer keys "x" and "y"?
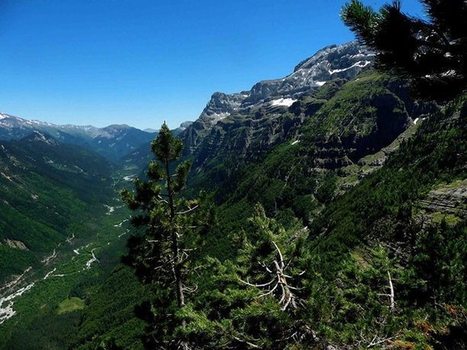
{"x": 279, "y": 281}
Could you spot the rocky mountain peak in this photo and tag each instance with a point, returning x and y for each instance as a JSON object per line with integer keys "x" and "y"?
{"x": 222, "y": 105}
{"x": 332, "y": 62}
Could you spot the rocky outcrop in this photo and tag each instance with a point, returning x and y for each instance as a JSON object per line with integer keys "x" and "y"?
{"x": 15, "y": 244}
{"x": 221, "y": 106}
{"x": 332, "y": 62}
{"x": 449, "y": 199}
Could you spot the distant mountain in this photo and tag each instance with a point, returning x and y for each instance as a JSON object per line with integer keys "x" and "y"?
{"x": 113, "y": 142}
{"x": 245, "y": 125}
{"x": 116, "y": 141}
{"x": 176, "y": 131}
{"x": 138, "y": 159}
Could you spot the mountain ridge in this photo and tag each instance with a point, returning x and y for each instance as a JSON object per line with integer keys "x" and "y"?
{"x": 331, "y": 62}
{"x": 113, "y": 141}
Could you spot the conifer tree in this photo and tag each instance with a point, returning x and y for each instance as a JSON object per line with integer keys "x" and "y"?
{"x": 431, "y": 53}
{"x": 256, "y": 301}
{"x": 160, "y": 254}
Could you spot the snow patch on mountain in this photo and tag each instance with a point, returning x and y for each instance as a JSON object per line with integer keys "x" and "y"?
{"x": 332, "y": 62}
{"x": 360, "y": 64}
{"x": 283, "y": 102}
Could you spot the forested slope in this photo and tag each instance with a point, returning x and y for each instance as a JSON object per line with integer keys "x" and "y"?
{"x": 377, "y": 235}
{"x": 48, "y": 190}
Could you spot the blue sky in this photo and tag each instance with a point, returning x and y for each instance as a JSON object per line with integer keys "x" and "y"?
{"x": 140, "y": 62}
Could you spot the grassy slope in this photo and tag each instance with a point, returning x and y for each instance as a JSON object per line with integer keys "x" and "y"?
{"x": 378, "y": 227}
{"x": 59, "y": 312}
{"x": 297, "y": 179}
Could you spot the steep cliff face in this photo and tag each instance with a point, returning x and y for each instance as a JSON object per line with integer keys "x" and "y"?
{"x": 349, "y": 126}
{"x": 274, "y": 96}
{"x": 368, "y": 114}
{"x": 332, "y": 62}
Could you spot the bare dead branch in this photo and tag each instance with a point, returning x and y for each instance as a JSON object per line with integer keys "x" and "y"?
{"x": 279, "y": 281}
{"x": 187, "y": 211}
{"x": 246, "y": 342}
{"x": 391, "y": 288}
{"x": 256, "y": 285}
{"x": 391, "y": 294}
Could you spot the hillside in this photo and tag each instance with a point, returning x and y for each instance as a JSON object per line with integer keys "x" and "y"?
{"x": 343, "y": 181}
{"x": 48, "y": 191}
{"x": 61, "y": 233}
{"x": 365, "y": 228}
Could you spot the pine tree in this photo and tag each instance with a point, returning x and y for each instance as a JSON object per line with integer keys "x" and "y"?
{"x": 160, "y": 254}
{"x": 256, "y": 301}
{"x": 431, "y": 53}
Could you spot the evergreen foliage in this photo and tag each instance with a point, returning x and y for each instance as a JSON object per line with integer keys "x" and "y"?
{"x": 161, "y": 256}
{"x": 432, "y": 53}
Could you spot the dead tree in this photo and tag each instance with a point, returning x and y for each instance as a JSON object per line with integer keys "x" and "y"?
{"x": 391, "y": 294}
{"x": 279, "y": 283}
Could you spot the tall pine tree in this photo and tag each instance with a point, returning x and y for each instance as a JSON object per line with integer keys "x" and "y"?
{"x": 161, "y": 253}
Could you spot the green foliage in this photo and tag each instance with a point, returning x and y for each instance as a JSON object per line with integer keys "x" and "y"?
{"x": 431, "y": 52}
{"x": 109, "y": 317}
{"x": 70, "y": 305}
{"x": 358, "y": 246}
{"x": 48, "y": 190}
{"x": 241, "y": 303}
{"x": 359, "y": 118}
{"x": 161, "y": 256}
{"x": 439, "y": 263}
{"x": 315, "y": 264}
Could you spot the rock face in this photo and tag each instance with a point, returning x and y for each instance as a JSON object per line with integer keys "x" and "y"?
{"x": 271, "y": 98}
{"x": 353, "y": 117}
{"x": 451, "y": 199}
{"x": 37, "y": 136}
{"x": 16, "y": 244}
{"x": 222, "y": 105}
{"x": 332, "y": 62}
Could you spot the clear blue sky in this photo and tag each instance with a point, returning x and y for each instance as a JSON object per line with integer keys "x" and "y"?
{"x": 139, "y": 62}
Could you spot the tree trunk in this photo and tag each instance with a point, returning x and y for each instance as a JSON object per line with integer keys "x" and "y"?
{"x": 176, "y": 261}
{"x": 175, "y": 249}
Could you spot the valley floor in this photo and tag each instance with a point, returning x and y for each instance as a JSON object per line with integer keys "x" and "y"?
{"x": 49, "y": 288}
